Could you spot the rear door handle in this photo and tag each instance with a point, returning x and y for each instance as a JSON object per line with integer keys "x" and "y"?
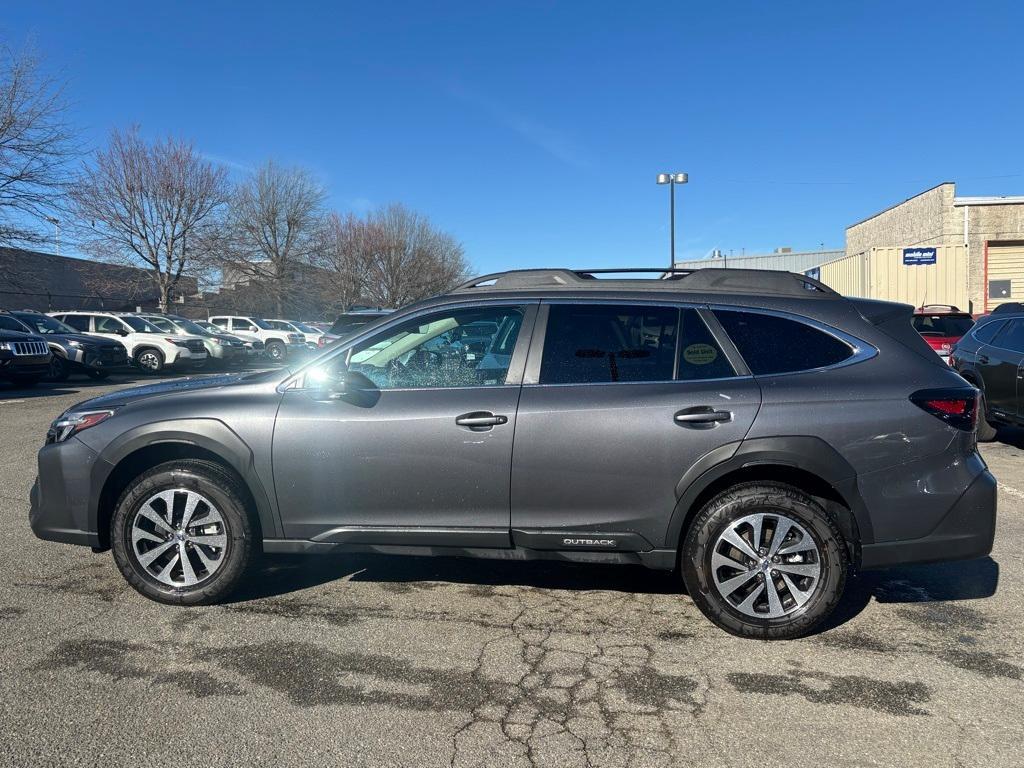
{"x": 480, "y": 419}
{"x": 702, "y": 417}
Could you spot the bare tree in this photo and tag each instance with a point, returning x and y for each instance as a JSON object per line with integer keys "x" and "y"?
{"x": 340, "y": 254}
{"x": 274, "y": 231}
{"x": 153, "y": 205}
{"x": 36, "y": 145}
{"x": 403, "y": 257}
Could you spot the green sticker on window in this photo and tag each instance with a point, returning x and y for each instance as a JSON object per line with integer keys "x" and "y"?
{"x": 700, "y": 354}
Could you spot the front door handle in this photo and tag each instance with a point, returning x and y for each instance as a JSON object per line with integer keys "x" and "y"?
{"x": 703, "y": 417}
{"x": 480, "y": 420}
{"x": 983, "y": 359}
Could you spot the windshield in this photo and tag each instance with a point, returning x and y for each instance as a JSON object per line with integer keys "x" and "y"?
{"x": 208, "y": 326}
{"x": 189, "y": 326}
{"x": 943, "y": 325}
{"x": 140, "y": 325}
{"x": 44, "y": 323}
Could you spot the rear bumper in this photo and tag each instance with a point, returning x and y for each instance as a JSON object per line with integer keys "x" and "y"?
{"x": 967, "y": 531}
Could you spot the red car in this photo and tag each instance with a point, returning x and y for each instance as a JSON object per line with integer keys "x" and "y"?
{"x": 942, "y": 325}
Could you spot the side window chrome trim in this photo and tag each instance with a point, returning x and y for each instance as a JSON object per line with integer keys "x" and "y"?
{"x": 861, "y": 349}
{"x": 680, "y": 382}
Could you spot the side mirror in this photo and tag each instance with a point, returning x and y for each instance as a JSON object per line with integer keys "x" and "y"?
{"x": 122, "y": 332}
{"x": 353, "y": 383}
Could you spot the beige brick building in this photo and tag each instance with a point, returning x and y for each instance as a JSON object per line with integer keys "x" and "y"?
{"x": 989, "y": 229}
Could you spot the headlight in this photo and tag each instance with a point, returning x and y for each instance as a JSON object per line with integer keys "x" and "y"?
{"x": 222, "y": 342}
{"x": 6, "y": 345}
{"x": 72, "y": 423}
{"x": 76, "y": 344}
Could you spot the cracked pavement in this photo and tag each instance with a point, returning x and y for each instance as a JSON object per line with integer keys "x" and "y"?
{"x": 396, "y": 661}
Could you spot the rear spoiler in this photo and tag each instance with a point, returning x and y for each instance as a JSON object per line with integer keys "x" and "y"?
{"x": 894, "y": 320}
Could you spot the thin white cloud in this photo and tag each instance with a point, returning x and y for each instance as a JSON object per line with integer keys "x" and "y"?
{"x": 227, "y": 162}
{"x": 551, "y": 141}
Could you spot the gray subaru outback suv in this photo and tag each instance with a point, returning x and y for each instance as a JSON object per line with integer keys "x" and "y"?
{"x": 755, "y": 431}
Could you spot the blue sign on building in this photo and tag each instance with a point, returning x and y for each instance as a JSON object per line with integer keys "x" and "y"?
{"x": 914, "y": 256}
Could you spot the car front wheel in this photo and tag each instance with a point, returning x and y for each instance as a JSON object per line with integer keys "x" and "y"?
{"x": 276, "y": 351}
{"x": 150, "y": 360}
{"x": 765, "y": 560}
{"x": 181, "y": 533}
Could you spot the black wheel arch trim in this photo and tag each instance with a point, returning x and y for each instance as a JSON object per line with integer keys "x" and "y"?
{"x": 802, "y": 452}
{"x": 208, "y": 434}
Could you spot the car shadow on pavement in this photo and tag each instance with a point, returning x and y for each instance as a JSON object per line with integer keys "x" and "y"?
{"x": 283, "y": 574}
{"x": 930, "y": 583}
{"x": 1013, "y": 436}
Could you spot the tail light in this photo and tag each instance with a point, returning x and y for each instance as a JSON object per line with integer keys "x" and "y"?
{"x": 956, "y": 407}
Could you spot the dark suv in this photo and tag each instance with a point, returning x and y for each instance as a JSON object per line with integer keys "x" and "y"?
{"x": 754, "y": 430}
{"x": 73, "y": 352}
{"x": 24, "y": 357}
{"x": 991, "y": 357}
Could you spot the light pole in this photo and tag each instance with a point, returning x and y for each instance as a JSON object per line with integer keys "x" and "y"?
{"x": 56, "y": 230}
{"x": 672, "y": 179}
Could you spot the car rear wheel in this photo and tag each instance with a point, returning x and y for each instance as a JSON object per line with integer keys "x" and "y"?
{"x": 986, "y": 430}
{"x": 765, "y": 560}
{"x": 181, "y": 533}
{"x": 150, "y": 360}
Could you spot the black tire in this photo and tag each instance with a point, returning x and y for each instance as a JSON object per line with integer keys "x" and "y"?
{"x": 987, "y": 431}
{"x": 59, "y": 369}
{"x": 276, "y": 351}
{"x": 775, "y": 499}
{"x": 225, "y": 493}
{"x": 149, "y": 360}
{"x": 95, "y": 375}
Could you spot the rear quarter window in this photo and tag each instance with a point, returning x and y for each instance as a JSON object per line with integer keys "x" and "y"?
{"x": 771, "y": 344}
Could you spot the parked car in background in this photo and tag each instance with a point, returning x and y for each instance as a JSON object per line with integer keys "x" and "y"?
{"x": 754, "y": 431}
{"x": 942, "y": 326}
{"x": 254, "y": 348}
{"x": 280, "y": 345}
{"x": 991, "y": 357}
{"x": 223, "y": 349}
{"x": 356, "y": 318}
{"x": 310, "y": 333}
{"x": 73, "y": 352}
{"x": 24, "y": 357}
{"x": 148, "y": 347}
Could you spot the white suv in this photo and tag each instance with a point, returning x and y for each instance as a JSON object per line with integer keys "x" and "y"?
{"x": 150, "y": 348}
{"x": 279, "y": 344}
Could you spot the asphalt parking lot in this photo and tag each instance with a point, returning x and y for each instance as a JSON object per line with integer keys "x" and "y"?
{"x": 388, "y": 661}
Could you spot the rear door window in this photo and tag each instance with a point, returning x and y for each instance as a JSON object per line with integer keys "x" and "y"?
{"x": 78, "y": 322}
{"x": 772, "y": 344}
{"x": 987, "y": 332}
{"x": 1011, "y": 337}
{"x": 604, "y": 343}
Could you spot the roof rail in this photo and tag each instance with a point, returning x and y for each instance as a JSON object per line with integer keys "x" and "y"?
{"x": 1009, "y": 306}
{"x": 711, "y": 279}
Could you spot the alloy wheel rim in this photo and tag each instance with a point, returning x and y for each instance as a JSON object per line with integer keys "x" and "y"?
{"x": 149, "y": 361}
{"x": 766, "y": 565}
{"x": 179, "y": 538}
{"x": 275, "y": 352}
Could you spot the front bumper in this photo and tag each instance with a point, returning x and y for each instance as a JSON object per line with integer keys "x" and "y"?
{"x": 25, "y": 365}
{"x": 966, "y": 531}
{"x": 59, "y": 499}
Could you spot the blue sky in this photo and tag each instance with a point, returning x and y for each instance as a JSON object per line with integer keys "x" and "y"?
{"x": 534, "y": 131}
